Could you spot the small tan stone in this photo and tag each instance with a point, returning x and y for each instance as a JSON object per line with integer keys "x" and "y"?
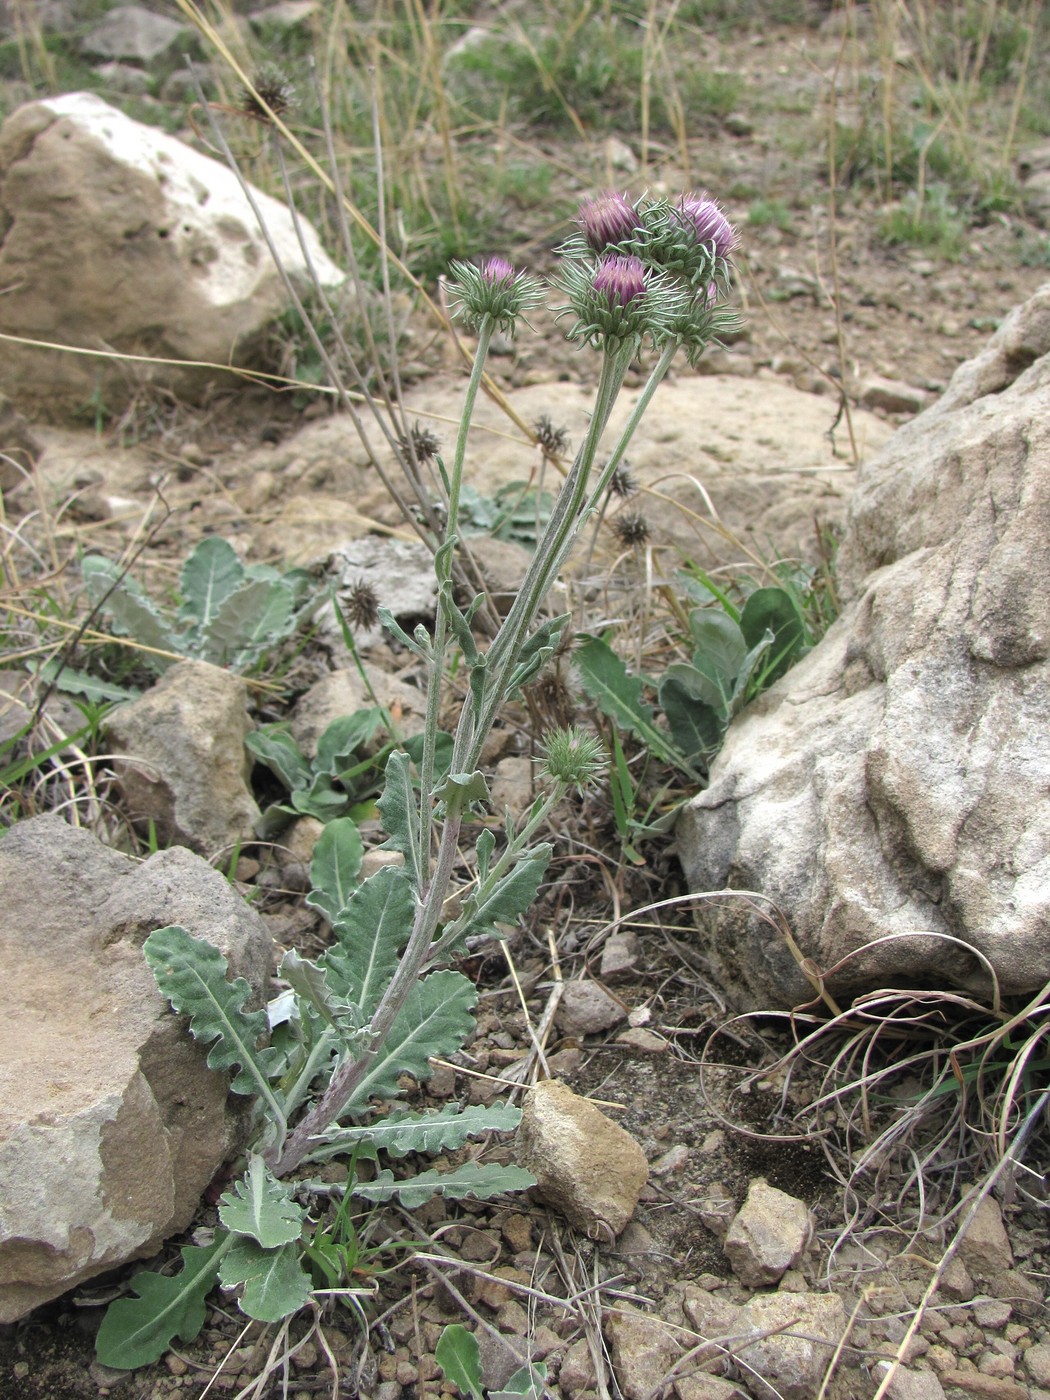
{"x": 585, "y": 1165}
{"x": 643, "y": 1349}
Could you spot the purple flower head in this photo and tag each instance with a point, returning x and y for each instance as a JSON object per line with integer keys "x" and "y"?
{"x": 607, "y": 219}
{"x": 704, "y": 217}
{"x": 497, "y": 270}
{"x": 620, "y": 280}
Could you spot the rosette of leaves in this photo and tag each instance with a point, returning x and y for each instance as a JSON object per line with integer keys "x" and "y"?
{"x": 344, "y": 774}
{"x": 229, "y": 613}
{"x": 281, "y": 1058}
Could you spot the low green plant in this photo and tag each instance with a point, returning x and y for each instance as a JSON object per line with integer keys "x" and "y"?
{"x": 344, "y": 775}
{"x": 229, "y": 613}
{"x": 770, "y": 213}
{"x": 932, "y": 222}
{"x": 517, "y": 511}
{"x": 380, "y": 1002}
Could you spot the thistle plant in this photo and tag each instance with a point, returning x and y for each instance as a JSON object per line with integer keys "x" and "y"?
{"x": 639, "y": 276}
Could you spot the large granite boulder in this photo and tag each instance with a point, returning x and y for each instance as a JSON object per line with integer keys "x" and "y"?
{"x": 111, "y": 1124}
{"x": 116, "y": 236}
{"x": 894, "y": 784}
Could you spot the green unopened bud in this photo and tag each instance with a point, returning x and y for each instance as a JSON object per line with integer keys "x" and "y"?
{"x": 492, "y": 291}
{"x": 572, "y": 758}
{"x": 619, "y": 299}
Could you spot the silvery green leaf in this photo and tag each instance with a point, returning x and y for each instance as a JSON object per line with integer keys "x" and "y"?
{"x": 719, "y": 648}
{"x": 478, "y": 1181}
{"x": 510, "y": 896}
{"x": 335, "y": 866}
{"x": 138, "y": 1331}
{"x": 696, "y": 727}
{"x": 371, "y": 929}
{"x": 530, "y": 1381}
{"x": 211, "y": 572}
{"x": 486, "y": 845}
{"x": 191, "y": 973}
{"x": 275, "y": 1285}
{"x": 131, "y": 612}
{"x": 439, "y": 1130}
{"x": 459, "y": 790}
{"x": 400, "y": 812}
{"x": 435, "y": 1020}
{"x": 245, "y": 624}
{"x": 619, "y": 695}
{"x": 74, "y": 682}
{"x": 337, "y": 747}
{"x": 261, "y": 1206}
{"x": 739, "y": 697}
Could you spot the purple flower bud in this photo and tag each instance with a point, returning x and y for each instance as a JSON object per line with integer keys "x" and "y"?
{"x": 700, "y": 213}
{"x": 496, "y": 270}
{"x": 607, "y": 219}
{"x": 620, "y": 279}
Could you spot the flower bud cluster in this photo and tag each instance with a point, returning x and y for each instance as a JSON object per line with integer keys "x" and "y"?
{"x": 649, "y": 269}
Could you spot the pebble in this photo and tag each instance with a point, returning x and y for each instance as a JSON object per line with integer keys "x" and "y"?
{"x": 620, "y": 956}
{"x": 1037, "y": 1364}
{"x": 517, "y": 1233}
{"x": 991, "y": 1312}
{"x": 767, "y": 1236}
{"x": 646, "y": 1042}
{"x": 587, "y": 1009}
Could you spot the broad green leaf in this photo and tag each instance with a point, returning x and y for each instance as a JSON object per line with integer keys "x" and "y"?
{"x": 618, "y": 695}
{"x": 321, "y": 799}
{"x": 74, "y": 682}
{"x": 138, "y": 1331}
{"x": 459, "y": 1356}
{"x": 443, "y": 746}
{"x": 774, "y": 610}
{"x": 695, "y": 684}
{"x": 510, "y": 896}
{"x": 719, "y": 648}
{"x": 192, "y": 975}
{"x": 338, "y": 745}
{"x": 440, "y": 1130}
{"x": 275, "y": 1285}
{"x": 743, "y": 689}
{"x": 335, "y": 866}
{"x": 209, "y": 575}
{"x": 371, "y": 929}
{"x": 248, "y": 623}
{"x": 400, "y": 814}
{"x": 478, "y": 1181}
{"x": 696, "y": 728}
{"x": 436, "y": 1019}
{"x": 261, "y": 1206}
{"x": 131, "y": 612}
{"x": 526, "y": 1381}
{"x": 273, "y": 745}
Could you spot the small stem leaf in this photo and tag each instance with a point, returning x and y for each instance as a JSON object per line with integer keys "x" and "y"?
{"x": 510, "y": 896}
{"x": 618, "y": 695}
{"x": 306, "y": 984}
{"x": 459, "y": 1356}
{"x": 335, "y": 867}
{"x": 390, "y": 622}
{"x": 371, "y": 930}
{"x": 480, "y": 1181}
{"x": 459, "y": 790}
{"x": 275, "y": 1285}
{"x": 273, "y": 745}
{"x": 191, "y": 973}
{"x": 400, "y": 814}
{"x": 459, "y": 625}
{"x": 260, "y": 1206}
{"x": 138, "y": 1331}
{"x": 441, "y": 1130}
{"x": 210, "y": 574}
{"x": 486, "y": 845}
{"x": 436, "y": 1019}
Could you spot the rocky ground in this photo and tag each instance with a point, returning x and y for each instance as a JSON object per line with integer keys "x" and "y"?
{"x": 735, "y": 1232}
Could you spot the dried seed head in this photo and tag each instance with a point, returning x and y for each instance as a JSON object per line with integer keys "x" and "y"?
{"x": 552, "y": 696}
{"x": 552, "y": 441}
{"x": 277, "y": 93}
{"x": 631, "y": 528}
{"x": 422, "y": 441}
{"x": 623, "y": 482}
{"x": 362, "y": 605}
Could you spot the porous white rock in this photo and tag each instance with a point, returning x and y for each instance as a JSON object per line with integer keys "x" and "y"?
{"x": 892, "y": 786}
{"x": 119, "y": 237}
